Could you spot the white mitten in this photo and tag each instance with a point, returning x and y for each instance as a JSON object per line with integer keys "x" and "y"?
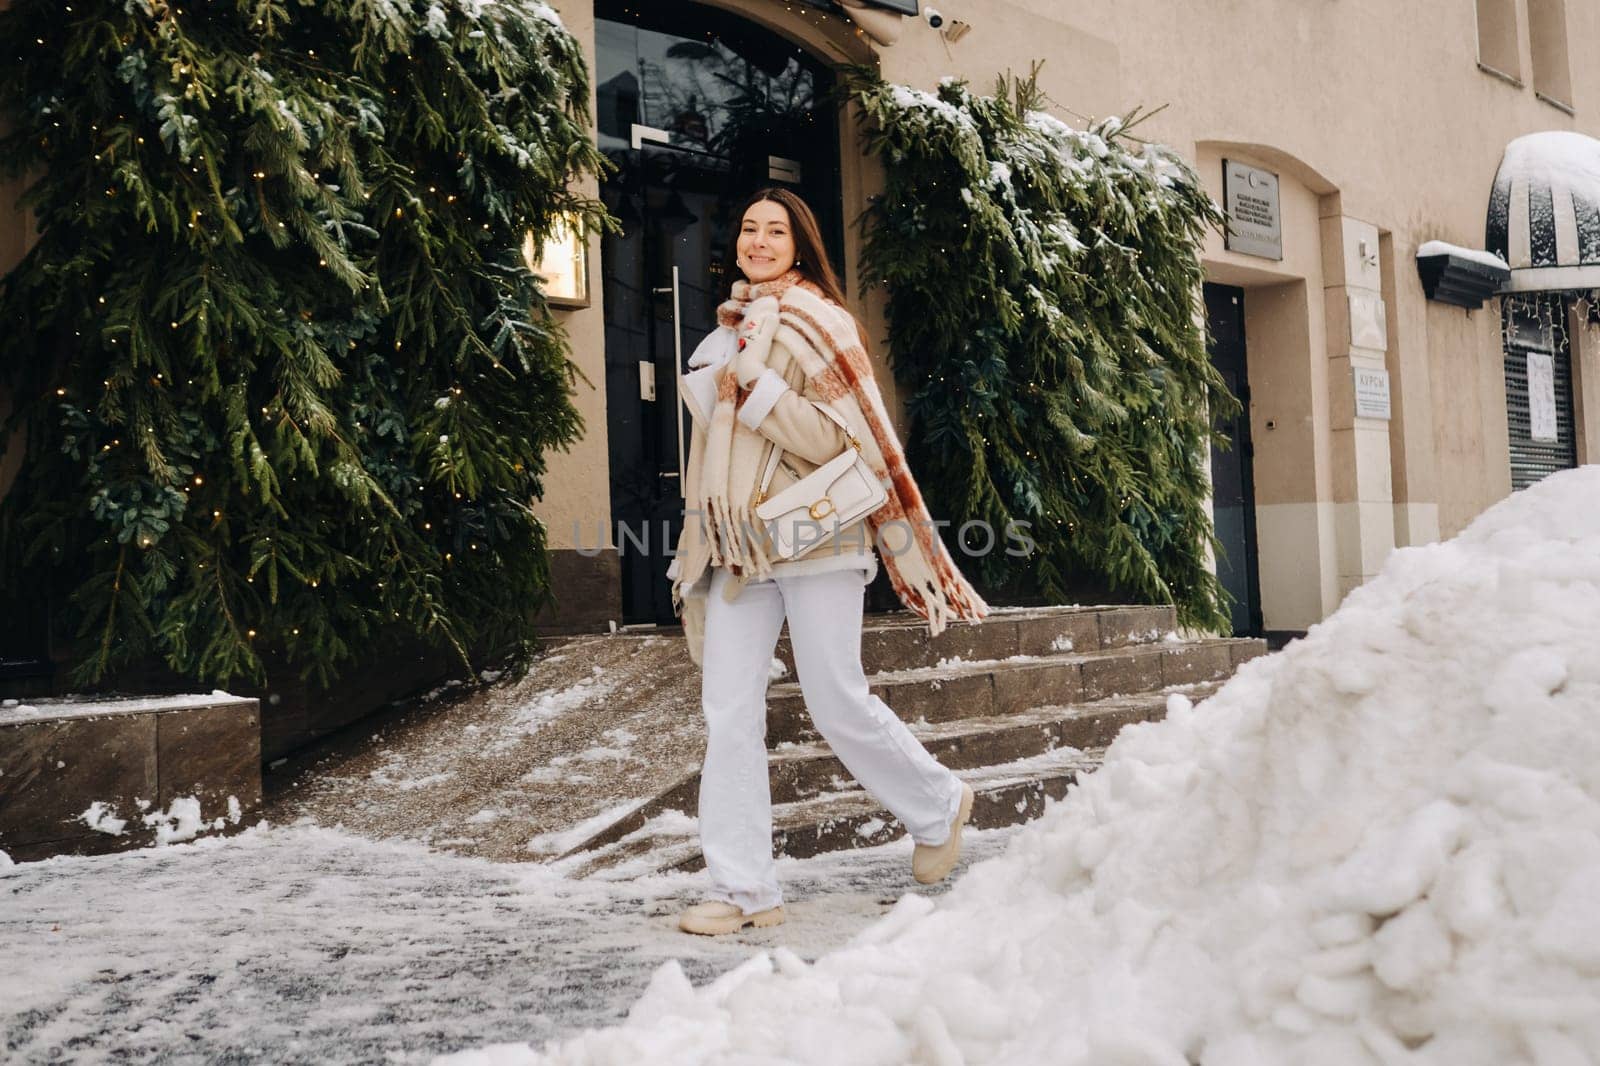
{"x": 760, "y": 308}
{"x": 755, "y": 340}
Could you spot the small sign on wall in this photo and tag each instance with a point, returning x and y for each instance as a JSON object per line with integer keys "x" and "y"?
{"x": 1542, "y": 396}
{"x": 1368, "y": 323}
{"x": 1255, "y": 225}
{"x": 1372, "y": 393}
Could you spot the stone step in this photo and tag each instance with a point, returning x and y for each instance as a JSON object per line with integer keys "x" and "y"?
{"x": 1005, "y": 794}
{"x": 639, "y": 854}
{"x": 994, "y": 687}
{"x": 898, "y": 640}
{"x": 801, "y": 771}
{"x": 972, "y": 715}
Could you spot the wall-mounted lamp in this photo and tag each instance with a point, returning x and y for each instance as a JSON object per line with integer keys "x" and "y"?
{"x": 883, "y": 26}
{"x": 562, "y": 264}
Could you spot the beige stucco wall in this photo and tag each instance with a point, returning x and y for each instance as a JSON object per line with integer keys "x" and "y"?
{"x": 1468, "y": 397}
{"x": 576, "y": 507}
{"x": 1585, "y": 387}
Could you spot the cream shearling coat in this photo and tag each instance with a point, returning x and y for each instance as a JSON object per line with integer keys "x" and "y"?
{"x": 779, "y": 408}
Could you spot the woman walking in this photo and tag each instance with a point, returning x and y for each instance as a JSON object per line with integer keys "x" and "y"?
{"x": 781, "y": 387}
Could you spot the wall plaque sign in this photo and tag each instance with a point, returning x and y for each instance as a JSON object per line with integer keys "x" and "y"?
{"x": 1368, "y": 322}
{"x": 1255, "y": 225}
{"x": 1372, "y": 393}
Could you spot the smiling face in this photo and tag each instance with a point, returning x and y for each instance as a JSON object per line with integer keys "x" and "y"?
{"x": 766, "y": 242}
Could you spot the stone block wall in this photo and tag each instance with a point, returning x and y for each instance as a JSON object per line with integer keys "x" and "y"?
{"x": 71, "y": 770}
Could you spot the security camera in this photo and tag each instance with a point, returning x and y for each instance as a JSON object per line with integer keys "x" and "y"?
{"x": 934, "y": 18}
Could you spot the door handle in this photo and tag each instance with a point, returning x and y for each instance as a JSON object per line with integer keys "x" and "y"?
{"x": 677, "y": 369}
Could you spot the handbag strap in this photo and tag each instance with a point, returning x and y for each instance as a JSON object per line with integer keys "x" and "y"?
{"x": 772, "y": 459}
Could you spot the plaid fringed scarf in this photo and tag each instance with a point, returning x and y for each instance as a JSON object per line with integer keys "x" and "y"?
{"x": 823, "y": 338}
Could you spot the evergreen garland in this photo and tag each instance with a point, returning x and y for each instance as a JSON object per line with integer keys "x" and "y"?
{"x": 1044, "y": 311}
{"x": 286, "y": 381}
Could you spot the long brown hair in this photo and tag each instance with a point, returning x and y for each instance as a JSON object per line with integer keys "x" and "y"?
{"x": 811, "y": 256}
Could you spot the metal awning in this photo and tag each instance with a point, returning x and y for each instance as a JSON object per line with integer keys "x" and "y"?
{"x": 1544, "y": 212}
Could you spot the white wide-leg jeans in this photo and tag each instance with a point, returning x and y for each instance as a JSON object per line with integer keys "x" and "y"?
{"x": 824, "y": 612}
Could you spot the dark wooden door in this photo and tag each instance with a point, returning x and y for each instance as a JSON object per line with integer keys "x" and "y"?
{"x": 1232, "y": 473}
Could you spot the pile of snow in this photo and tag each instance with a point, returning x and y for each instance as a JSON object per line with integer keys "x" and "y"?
{"x": 102, "y": 818}
{"x": 1379, "y": 846}
{"x": 182, "y": 819}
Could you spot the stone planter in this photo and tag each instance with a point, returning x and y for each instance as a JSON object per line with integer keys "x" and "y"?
{"x": 147, "y": 762}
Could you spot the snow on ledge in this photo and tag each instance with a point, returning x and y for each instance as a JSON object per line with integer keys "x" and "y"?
{"x": 13, "y": 712}
{"x": 1476, "y": 255}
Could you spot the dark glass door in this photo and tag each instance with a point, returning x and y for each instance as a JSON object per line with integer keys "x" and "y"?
{"x": 1232, "y": 475}
{"x": 697, "y": 109}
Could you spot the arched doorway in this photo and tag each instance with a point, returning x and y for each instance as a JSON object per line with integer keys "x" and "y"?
{"x": 697, "y": 107}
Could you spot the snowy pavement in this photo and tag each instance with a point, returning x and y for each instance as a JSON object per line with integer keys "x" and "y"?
{"x": 303, "y": 944}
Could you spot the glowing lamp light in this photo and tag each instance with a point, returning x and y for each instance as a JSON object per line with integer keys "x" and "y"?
{"x": 562, "y": 264}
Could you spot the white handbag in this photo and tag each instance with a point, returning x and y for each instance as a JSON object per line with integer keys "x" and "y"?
{"x": 839, "y": 491}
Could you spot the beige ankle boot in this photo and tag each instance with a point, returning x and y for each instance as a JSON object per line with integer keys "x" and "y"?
{"x": 931, "y": 863}
{"x": 715, "y": 917}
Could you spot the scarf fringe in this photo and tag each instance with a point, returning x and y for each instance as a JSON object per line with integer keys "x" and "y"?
{"x": 735, "y": 537}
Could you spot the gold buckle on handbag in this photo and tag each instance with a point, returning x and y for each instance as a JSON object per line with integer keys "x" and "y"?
{"x": 864, "y": 493}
